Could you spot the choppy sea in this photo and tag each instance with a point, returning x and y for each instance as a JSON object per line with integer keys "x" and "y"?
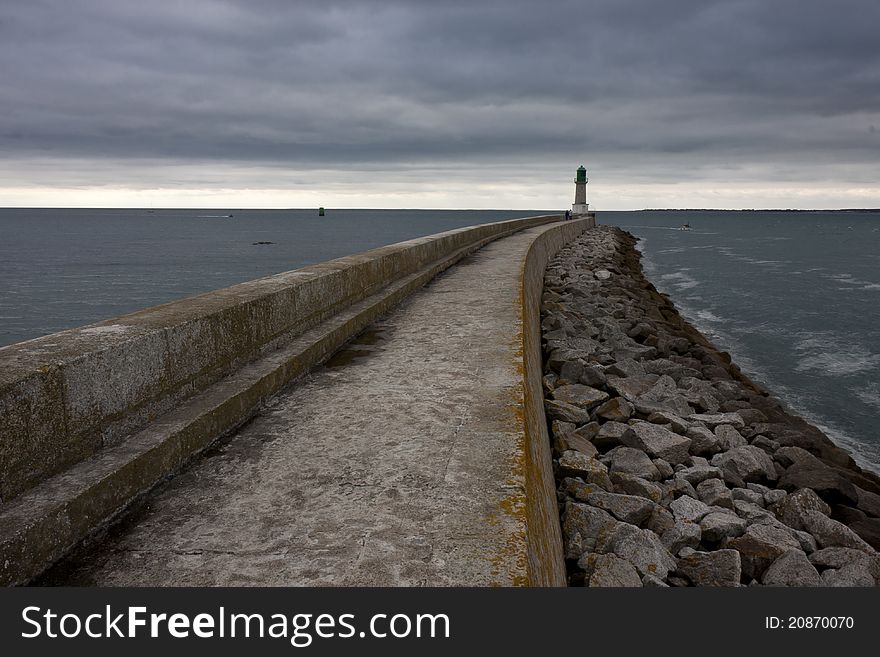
{"x": 61, "y": 268}
{"x": 794, "y": 297}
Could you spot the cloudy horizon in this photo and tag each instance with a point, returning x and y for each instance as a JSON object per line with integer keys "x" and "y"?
{"x": 211, "y": 103}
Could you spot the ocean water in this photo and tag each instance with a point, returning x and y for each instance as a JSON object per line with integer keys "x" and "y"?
{"x": 793, "y": 296}
{"x": 62, "y": 268}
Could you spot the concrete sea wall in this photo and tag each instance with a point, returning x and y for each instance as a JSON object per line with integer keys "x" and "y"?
{"x": 672, "y": 467}
{"x": 93, "y": 417}
{"x": 544, "y": 541}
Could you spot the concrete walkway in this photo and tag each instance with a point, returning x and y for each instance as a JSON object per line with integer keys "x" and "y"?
{"x": 391, "y": 465}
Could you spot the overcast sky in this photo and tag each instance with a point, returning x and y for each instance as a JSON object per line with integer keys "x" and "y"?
{"x": 293, "y": 103}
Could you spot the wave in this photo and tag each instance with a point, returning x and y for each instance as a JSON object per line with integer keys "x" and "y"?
{"x": 830, "y": 355}
{"x": 708, "y": 316}
{"x": 680, "y": 280}
{"x": 867, "y": 456}
{"x": 870, "y": 395}
{"x": 849, "y": 279}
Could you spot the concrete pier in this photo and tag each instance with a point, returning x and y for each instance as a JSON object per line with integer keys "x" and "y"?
{"x": 396, "y": 463}
{"x": 93, "y": 418}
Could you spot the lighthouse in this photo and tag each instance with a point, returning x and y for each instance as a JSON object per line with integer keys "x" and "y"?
{"x": 580, "y": 205}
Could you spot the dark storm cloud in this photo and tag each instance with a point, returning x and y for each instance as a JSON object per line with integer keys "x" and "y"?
{"x": 682, "y": 82}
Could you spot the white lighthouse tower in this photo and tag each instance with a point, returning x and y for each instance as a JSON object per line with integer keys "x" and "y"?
{"x": 580, "y": 205}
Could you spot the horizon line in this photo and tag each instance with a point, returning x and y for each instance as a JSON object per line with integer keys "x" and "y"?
{"x": 328, "y": 208}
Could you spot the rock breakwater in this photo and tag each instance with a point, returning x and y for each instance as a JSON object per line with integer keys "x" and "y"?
{"x": 672, "y": 467}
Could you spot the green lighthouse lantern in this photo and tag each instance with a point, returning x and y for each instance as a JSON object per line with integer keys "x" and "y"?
{"x": 581, "y": 175}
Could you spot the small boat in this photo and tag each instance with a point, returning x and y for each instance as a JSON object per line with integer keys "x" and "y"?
{"x": 685, "y": 226}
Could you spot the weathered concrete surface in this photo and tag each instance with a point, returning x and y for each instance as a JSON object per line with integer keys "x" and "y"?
{"x": 44, "y": 522}
{"x": 402, "y": 462}
{"x": 67, "y": 396}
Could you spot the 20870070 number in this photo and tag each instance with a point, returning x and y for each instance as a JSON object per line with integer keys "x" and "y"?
{"x": 809, "y": 623}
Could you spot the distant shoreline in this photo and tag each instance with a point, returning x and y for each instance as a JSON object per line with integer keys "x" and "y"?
{"x": 749, "y": 210}
{"x": 164, "y": 209}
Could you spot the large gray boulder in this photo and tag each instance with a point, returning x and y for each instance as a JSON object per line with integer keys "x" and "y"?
{"x": 632, "y": 485}
{"x": 687, "y": 509}
{"x": 625, "y": 367}
{"x": 609, "y": 570}
{"x": 744, "y": 464}
{"x": 703, "y": 441}
{"x": 791, "y": 568}
{"x": 682, "y": 534}
{"x": 807, "y": 541}
{"x": 593, "y": 376}
{"x": 760, "y": 546}
{"x": 773, "y": 496}
{"x": 676, "y": 487}
{"x": 652, "y": 581}
{"x": 609, "y": 435}
{"x": 591, "y": 470}
{"x": 767, "y": 444}
{"x": 696, "y": 474}
{"x": 729, "y": 437}
{"x": 635, "y": 462}
{"x": 657, "y": 441}
{"x": 869, "y": 530}
{"x": 790, "y": 454}
{"x": 616, "y": 409}
{"x": 641, "y": 547}
{"x": 866, "y": 565}
{"x": 712, "y": 420}
{"x": 869, "y": 502}
{"x": 713, "y": 492}
{"x": 699, "y": 393}
{"x": 848, "y": 576}
{"x": 665, "y": 366}
{"x": 661, "y": 521}
{"x": 747, "y": 495}
{"x": 730, "y": 390}
{"x": 831, "y": 486}
{"x": 570, "y": 372}
{"x": 675, "y": 423}
{"x": 664, "y": 468}
{"x": 717, "y": 526}
{"x": 718, "y": 568}
{"x": 632, "y": 387}
{"x": 579, "y": 395}
{"x": 567, "y": 436}
{"x": 792, "y": 507}
{"x": 628, "y": 508}
{"x": 663, "y": 396}
{"x": 752, "y": 512}
{"x": 565, "y": 412}
{"x": 577, "y": 489}
{"x": 582, "y": 526}
{"x": 830, "y": 533}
